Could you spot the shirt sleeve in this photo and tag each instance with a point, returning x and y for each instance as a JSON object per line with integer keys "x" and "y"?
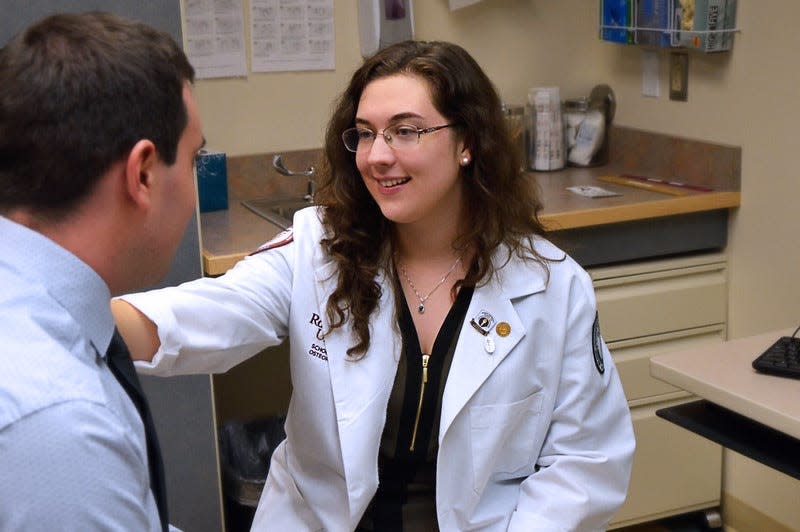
{"x": 72, "y": 467}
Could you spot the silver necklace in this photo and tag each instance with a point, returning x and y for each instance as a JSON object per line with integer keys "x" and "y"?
{"x": 420, "y": 298}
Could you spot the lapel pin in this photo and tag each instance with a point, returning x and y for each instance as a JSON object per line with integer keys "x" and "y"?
{"x": 482, "y": 322}
{"x": 503, "y": 328}
{"x": 488, "y": 344}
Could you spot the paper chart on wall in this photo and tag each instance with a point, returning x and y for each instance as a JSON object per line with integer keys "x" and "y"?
{"x": 291, "y": 35}
{"x": 215, "y": 41}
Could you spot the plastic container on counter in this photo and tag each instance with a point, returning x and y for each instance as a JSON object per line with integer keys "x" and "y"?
{"x": 586, "y": 125}
{"x": 515, "y": 122}
{"x": 545, "y": 130}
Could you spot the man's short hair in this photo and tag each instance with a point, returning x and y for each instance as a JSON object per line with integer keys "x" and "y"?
{"x": 77, "y": 91}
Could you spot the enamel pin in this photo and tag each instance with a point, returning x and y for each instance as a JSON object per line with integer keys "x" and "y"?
{"x": 503, "y": 329}
{"x": 482, "y": 322}
{"x": 488, "y": 344}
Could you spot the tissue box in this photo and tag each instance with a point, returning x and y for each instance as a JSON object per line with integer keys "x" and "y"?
{"x": 212, "y": 180}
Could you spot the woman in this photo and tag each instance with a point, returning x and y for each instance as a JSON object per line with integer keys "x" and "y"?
{"x": 447, "y": 365}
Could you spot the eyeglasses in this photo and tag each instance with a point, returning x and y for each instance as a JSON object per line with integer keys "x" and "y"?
{"x": 399, "y": 136}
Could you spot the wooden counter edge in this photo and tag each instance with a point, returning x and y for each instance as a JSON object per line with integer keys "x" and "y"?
{"x": 640, "y": 211}
{"x": 219, "y": 264}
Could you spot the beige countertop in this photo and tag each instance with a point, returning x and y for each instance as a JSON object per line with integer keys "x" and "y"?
{"x": 723, "y": 374}
{"x": 566, "y": 210}
{"x": 228, "y": 235}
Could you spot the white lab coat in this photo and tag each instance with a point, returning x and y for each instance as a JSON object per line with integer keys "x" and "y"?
{"x": 532, "y": 436}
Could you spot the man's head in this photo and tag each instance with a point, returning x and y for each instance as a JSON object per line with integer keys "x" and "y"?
{"x": 76, "y": 92}
{"x": 98, "y": 132}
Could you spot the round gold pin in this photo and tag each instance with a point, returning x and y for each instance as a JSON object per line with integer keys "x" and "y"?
{"x": 503, "y": 328}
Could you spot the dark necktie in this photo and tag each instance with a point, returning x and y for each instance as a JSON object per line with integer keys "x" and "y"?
{"x": 121, "y": 365}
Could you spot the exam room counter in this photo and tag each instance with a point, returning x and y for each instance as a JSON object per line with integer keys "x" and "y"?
{"x": 639, "y": 223}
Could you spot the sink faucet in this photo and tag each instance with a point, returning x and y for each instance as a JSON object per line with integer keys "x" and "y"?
{"x": 277, "y": 163}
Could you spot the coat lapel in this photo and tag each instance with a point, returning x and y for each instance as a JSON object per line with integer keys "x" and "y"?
{"x": 361, "y": 388}
{"x": 472, "y": 363}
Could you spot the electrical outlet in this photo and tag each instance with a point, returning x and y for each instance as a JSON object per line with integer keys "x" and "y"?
{"x": 679, "y": 76}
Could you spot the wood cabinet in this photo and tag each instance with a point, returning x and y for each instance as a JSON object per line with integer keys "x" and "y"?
{"x": 646, "y": 308}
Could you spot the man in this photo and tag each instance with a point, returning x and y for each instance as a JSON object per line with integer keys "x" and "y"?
{"x": 98, "y": 135}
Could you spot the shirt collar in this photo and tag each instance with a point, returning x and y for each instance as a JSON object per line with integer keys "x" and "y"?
{"x": 69, "y": 280}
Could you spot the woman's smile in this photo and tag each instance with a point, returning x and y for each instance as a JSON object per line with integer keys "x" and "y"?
{"x": 392, "y": 182}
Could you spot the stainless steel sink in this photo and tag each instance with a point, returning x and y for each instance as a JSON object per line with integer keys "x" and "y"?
{"x": 279, "y": 211}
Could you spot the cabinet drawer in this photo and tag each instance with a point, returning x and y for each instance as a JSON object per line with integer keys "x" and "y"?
{"x": 674, "y": 470}
{"x": 632, "y": 358}
{"x": 658, "y": 302}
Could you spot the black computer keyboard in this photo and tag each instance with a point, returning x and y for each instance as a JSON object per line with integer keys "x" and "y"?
{"x": 782, "y": 358}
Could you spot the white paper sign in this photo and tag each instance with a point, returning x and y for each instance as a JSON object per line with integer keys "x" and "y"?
{"x": 291, "y": 35}
{"x": 215, "y": 38}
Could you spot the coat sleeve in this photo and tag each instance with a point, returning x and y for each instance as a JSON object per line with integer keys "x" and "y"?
{"x": 211, "y": 324}
{"x": 584, "y": 467}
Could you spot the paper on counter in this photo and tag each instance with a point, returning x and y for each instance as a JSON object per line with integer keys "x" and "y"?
{"x": 590, "y": 191}
{"x": 458, "y": 4}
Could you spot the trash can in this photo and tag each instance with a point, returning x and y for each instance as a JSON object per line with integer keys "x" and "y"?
{"x": 245, "y": 451}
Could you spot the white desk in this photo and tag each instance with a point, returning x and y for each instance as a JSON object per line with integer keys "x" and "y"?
{"x": 760, "y": 414}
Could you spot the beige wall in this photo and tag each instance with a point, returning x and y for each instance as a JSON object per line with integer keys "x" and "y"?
{"x": 747, "y": 97}
{"x": 519, "y": 43}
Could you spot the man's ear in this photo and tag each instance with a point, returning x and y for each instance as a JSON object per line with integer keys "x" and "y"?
{"x": 140, "y": 172}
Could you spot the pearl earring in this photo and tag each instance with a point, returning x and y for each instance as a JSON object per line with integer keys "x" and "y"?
{"x": 465, "y": 160}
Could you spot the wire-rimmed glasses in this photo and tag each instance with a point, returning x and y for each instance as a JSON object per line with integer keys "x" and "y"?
{"x": 398, "y": 136}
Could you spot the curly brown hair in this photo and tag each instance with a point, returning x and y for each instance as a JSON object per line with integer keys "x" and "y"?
{"x": 502, "y": 203}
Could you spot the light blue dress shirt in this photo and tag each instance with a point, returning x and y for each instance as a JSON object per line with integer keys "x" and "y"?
{"x": 72, "y": 445}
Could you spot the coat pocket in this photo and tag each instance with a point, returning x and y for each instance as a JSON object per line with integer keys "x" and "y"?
{"x": 505, "y": 439}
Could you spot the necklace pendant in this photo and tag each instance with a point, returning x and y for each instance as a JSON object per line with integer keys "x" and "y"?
{"x": 421, "y": 308}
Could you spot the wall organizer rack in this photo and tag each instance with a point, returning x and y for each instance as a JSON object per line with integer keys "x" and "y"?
{"x": 703, "y": 25}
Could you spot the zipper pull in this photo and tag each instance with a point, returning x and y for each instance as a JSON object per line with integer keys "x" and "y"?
{"x": 425, "y": 359}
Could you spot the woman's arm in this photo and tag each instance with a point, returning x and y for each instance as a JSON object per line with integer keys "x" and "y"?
{"x": 138, "y": 331}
